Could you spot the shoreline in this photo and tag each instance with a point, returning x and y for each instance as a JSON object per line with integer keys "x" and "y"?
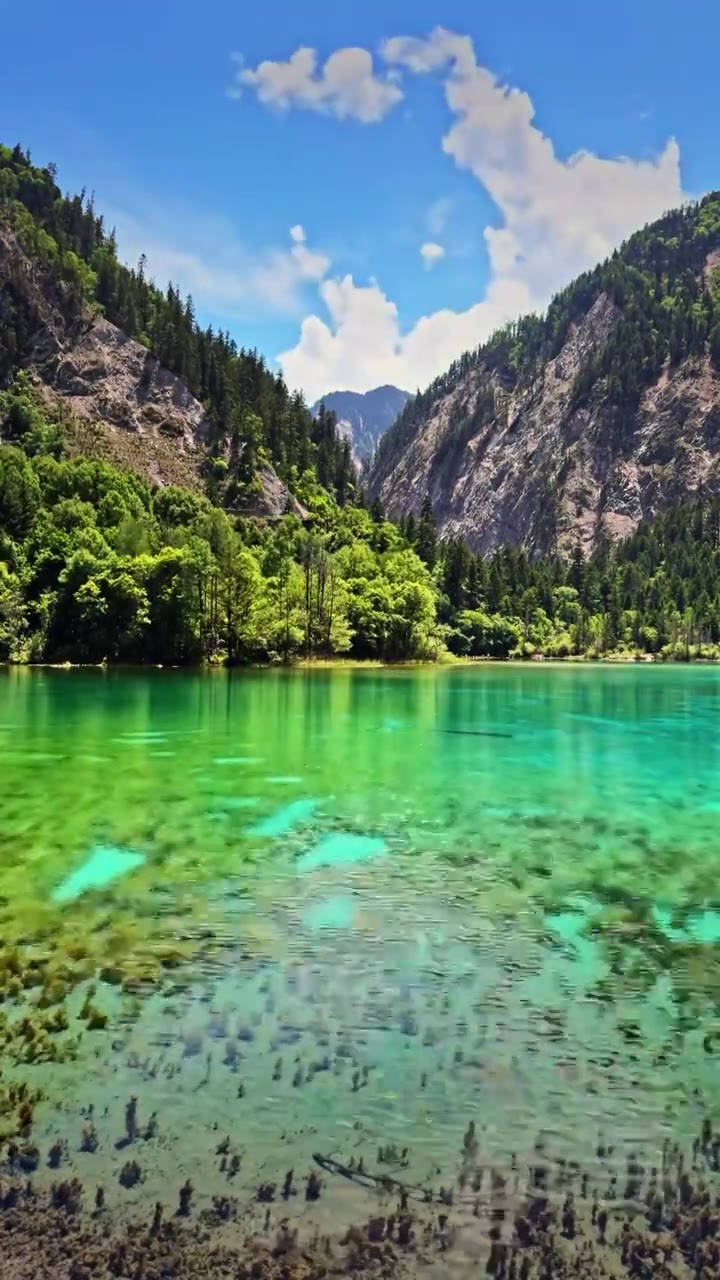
{"x": 376, "y": 664}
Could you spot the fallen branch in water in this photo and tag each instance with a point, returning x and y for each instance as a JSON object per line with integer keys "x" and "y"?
{"x": 477, "y": 733}
{"x": 358, "y": 1174}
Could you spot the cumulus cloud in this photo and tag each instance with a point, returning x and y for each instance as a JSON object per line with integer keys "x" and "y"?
{"x": 203, "y": 257}
{"x": 361, "y": 345}
{"x": 556, "y": 217}
{"x": 310, "y": 265}
{"x": 431, "y": 252}
{"x": 346, "y": 86}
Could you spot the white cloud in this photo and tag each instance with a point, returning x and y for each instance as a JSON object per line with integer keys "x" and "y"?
{"x": 557, "y": 217}
{"x": 203, "y": 257}
{"x": 433, "y": 54}
{"x": 438, "y": 215}
{"x": 431, "y": 252}
{"x": 346, "y": 86}
{"x": 362, "y": 344}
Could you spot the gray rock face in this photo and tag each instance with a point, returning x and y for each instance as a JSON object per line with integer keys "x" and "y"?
{"x": 142, "y": 416}
{"x": 109, "y": 377}
{"x": 538, "y": 472}
{"x": 363, "y": 418}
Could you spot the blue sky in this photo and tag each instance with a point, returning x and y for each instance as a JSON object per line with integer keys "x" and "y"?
{"x": 367, "y": 218}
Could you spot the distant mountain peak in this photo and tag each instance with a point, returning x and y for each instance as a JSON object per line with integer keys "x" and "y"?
{"x": 364, "y": 416}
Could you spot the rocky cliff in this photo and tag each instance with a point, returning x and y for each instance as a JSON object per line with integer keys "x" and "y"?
{"x": 576, "y": 427}
{"x": 119, "y": 402}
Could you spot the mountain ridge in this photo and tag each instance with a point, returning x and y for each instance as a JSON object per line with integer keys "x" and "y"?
{"x": 364, "y": 417}
{"x": 573, "y": 427}
{"x": 178, "y": 403}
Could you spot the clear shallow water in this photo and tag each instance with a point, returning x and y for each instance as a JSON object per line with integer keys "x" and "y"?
{"x": 608, "y": 781}
{"x": 486, "y": 893}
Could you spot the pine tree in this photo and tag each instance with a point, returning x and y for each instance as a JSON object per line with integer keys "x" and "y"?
{"x": 426, "y": 540}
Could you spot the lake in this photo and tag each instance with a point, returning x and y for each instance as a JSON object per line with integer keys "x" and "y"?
{"x": 421, "y": 923}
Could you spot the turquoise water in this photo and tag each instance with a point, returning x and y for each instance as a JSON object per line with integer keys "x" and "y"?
{"x": 429, "y": 895}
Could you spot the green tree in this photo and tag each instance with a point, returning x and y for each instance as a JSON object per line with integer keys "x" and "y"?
{"x": 19, "y": 493}
{"x": 426, "y": 537}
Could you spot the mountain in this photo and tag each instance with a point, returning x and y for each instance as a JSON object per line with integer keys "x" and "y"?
{"x": 134, "y": 445}
{"x": 137, "y": 450}
{"x": 143, "y": 383}
{"x": 571, "y": 428}
{"x": 364, "y": 418}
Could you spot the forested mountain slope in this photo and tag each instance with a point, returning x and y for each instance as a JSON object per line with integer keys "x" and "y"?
{"x": 109, "y": 390}
{"x": 572, "y": 427}
{"x": 140, "y": 456}
{"x": 130, "y": 358}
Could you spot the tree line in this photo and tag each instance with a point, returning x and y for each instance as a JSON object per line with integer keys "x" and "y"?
{"x": 97, "y": 565}
{"x": 655, "y": 593}
{"x": 254, "y": 418}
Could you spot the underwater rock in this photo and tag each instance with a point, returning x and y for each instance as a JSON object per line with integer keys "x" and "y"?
{"x": 67, "y": 1195}
{"x": 233, "y": 1056}
{"x": 28, "y": 1157}
{"x": 341, "y": 848}
{"x": 193, "y": 1044}
{"x": 89, "y": 1140}
{"x": 57, "y": 1154}
{"x": 284, "y": 820}
{"x": 105, "y": 864}
{"x": 405, "y": 1231}
{"x": 217, "y": 1027}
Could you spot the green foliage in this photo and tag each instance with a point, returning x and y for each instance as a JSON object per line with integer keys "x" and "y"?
{"x": 254, "y": 418}
{"x": 657, "y": 592}
{"x": 19, "y": 493}
{"x": 95, "y": 566}
{"x": 480, "y": 634}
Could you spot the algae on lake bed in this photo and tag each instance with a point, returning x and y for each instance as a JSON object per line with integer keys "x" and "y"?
{"x": 578, "y": 801}
{"x": 516, "y": 925}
